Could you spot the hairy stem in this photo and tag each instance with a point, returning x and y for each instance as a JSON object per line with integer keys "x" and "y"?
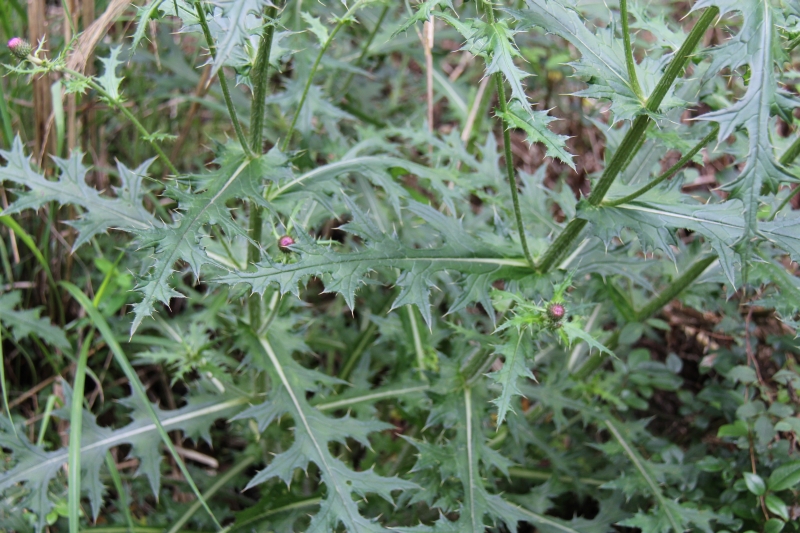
{"x": 630, "y": 142}
{"x": 223, "y": 83}
{"x": 629, "y": 62}
{"x": 342, "y": 21}
{"x": 260, "y": 83}
{"x": 656, "y": 303}
{"x": 669, "y": 173}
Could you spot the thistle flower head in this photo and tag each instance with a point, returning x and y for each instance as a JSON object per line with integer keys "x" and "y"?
{"x": 284, "y": 243}
{"x": 556, "y": 312}
{"x": 19, "y": 47}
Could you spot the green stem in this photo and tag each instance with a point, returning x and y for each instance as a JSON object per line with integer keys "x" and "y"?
{"x": 116, "y": 104}
{"x": 261, "y": 81}
{"x": 786, "y": 159}
{"x": 668, "y": 174}
{"x": 629, "y": 62}
{"x": 510, "y": 173}
{"x": 630, "y": 142}
{"x": 314, "y": 68}
{"x": 223, "y": 83}
{"x": 650, "y": 308}
{"x": 364, "y": 52}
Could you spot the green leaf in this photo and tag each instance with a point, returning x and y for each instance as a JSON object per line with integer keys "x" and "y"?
{"x": 777, "y": 506}
{"x": 236, "y": 177}
{"x": 101, "y": 213}
{"x": 534, "y": 123}
{"x": 753, "y": 113}
{"x": 108, "y": 80}
{"x": 232, "y": 26}
{"x": 34, "y": 467}
{"x": 602, "y": 55}
{"x": 26, "y": 322}
{"x": 785, "y": 476}
{"x": 316, "y": 27}
{"x": 721, "y": 224}
{"x": 774, "y": 525}
{"x": 343, "y": 273}
{"x": 312, "y": 435}
{"x": 514, "y": 367}
{"x": 145, "y": 13}
{"x": 423, "y": 13}
{"x": 495, "y": 43}
{"x": 754, "y": 483}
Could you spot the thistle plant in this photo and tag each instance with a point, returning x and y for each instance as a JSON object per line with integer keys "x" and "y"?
{"x": 537, "y": 274}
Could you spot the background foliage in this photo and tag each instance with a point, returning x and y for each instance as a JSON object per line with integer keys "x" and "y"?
{"x": 540, "y": 277}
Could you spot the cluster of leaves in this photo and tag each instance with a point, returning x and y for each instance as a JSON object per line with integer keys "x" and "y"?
{"x": 445, "y": 342}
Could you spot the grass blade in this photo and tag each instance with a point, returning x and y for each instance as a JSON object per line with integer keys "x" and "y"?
{"x": 102, "y": 326}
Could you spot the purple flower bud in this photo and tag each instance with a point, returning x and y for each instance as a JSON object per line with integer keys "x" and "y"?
{"x": 19, "y": 47}
{"x": 556, "y": 312}
{"x": 284, "y": 243}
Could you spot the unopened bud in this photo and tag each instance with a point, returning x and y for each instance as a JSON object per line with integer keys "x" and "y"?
{"x": 556, "y": 312}
{"x": 284, "y": 243}
{"x": 19, "y": 47}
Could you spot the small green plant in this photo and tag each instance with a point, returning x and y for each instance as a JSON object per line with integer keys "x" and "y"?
{"x": 372, "y": 266}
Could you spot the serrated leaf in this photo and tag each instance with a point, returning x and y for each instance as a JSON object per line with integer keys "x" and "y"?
{"x": 313, "y": 433}
{"x": 316, "y": 27}
{"x": 602, "y": 55}
{"x": 345, "y": 272}
{"x": 753, "y": 113}
{"x": 236, "y": 177}
{"x": 534, "y": 123}
{"x": 125, "y": 212}
{"x": 34, "y": 467}
{"x": 145, "y": 13}
{"x": 423, "y": 13}
{"x": 721, "y": 224}
{"x": 108, "y": 80}
{"x": 514, "y": 367}
{"x": 495, "y": 43}
{"x": 23, "y": 323}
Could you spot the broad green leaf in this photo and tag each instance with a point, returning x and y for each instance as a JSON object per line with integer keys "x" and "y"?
{"x": 755, "y": 483}
{"x": 785, "y": 476}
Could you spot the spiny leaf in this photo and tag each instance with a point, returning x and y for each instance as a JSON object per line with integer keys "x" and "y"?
{"x": 313, "y": 433}
{"x": 495, "y": 43}
{"x": 345, "y": 272}
{"x": 35, "y": 467}
{"x": 108, "y": 80}
{"x": 423, "y": 13}
{"x": 235, "y": 178}
{"x": 514, "y": 367}
{"x": 23, "y": 323}
{"x": 753, "y": 113}
{"x": 535, "y": 125}
{"x": 124, "y": 212}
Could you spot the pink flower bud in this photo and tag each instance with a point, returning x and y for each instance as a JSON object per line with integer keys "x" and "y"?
{"x": 19, "y": 47}
{"x": 556, "y": 312}
{"x": 284, "y": 243}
